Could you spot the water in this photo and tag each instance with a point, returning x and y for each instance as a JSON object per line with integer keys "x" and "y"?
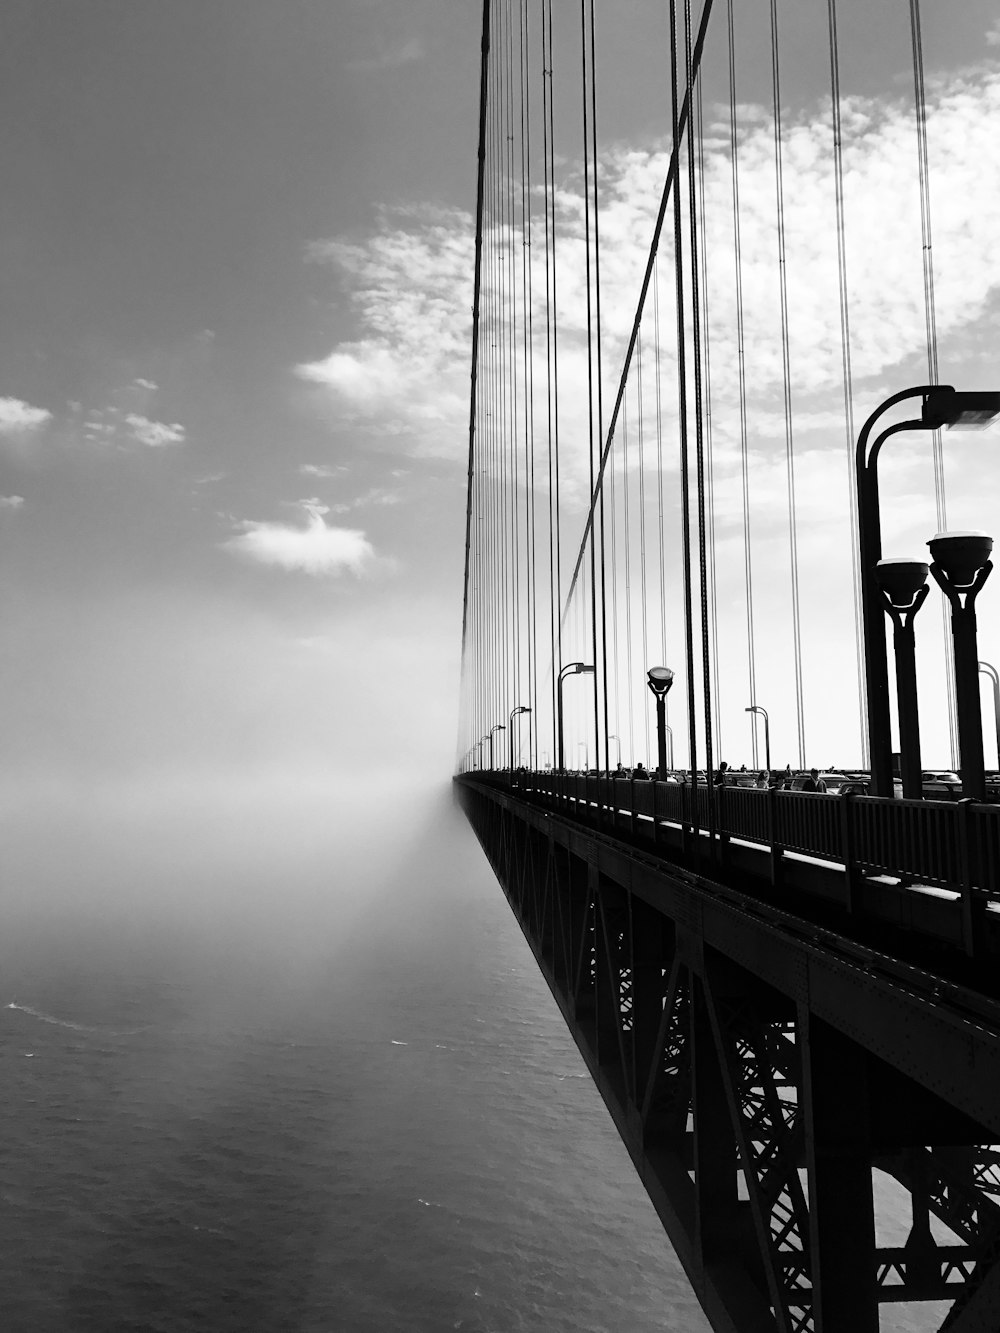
{"x": 403, "y": 1139}
{"x": 386, "y": 1129}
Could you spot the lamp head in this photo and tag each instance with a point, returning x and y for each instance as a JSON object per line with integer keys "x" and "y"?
{"x": 961, "y": 555}
{"x": 660, "y": 679}
{"x": 946, "y": 406}
{"x": 901, "y": 580}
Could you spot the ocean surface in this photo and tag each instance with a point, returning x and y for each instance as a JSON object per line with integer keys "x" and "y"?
{"x": 396, "y": 1134}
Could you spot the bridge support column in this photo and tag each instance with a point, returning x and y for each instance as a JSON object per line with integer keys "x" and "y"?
{"x": 838, "y": 1161}
{"x": 715, "y": 1160}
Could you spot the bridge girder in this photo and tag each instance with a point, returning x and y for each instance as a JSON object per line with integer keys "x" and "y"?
{"x": 757, "y": 1075}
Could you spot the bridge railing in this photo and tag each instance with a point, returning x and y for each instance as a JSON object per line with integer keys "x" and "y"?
{"x": 941, "y": 843}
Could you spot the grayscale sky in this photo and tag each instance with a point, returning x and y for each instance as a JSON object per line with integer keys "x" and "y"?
{"x": 236, "y": 257}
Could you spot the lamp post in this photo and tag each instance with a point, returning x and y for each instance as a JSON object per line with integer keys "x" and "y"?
{"x": 510, "y": 730}
{"x": 582, "y": 745}
{"x": 659, "y": 679}
{"x": 961, "y": 567}
{"x": 942, "y": 405}
{"x": 479, "y": 744}
{"x": 756, "y": 708}
{"x": 670, "y": 747}
{"x": 497, "y": 726}
{"x": 994, "y": 676}
{"x": 903, "y": 585}
{"x": 571, "y": 669}
{"x": 617, "y": 740}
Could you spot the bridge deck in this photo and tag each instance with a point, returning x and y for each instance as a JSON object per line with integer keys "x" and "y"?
{"x": 767, "y": 1028}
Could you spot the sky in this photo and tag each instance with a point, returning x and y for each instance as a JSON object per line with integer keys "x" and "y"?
{"x": 237, "y": 244}
{"x": 886, "y": 307}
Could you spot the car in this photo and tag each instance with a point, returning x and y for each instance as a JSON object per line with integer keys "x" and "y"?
{"x": 941, "y": 785}
{"x": 853, "y": 787}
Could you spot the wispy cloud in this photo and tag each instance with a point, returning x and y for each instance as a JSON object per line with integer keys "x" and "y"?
{"x": 411, "y": 285}
{"x": 316, "y": 549}
{"x": 378, "y": 495}
{"x": 155, "y": 434}
{"x": 11, "y": 501}
{"x": 20, "y": 418}
{"x": 392, "y": 58}
{"x": 403, "y": 379}
{"x": 323, "y": 470}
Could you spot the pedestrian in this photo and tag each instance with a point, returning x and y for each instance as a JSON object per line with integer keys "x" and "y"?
{"x": 721, "y": 777}
{"x": 814, "y": 782}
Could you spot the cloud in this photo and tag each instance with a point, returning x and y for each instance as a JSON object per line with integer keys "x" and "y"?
{"x": 392, "y": 59}
{"x": 324, "y": 470}
{"x": 11, "y": 501}
{"x": 155, "y": 434}
{"x": 403, "y": 378}
{"x": 140, "y": 383}
{"x": 406, "y": 377}
{"x": 316, "y": 549}
{"x": 19, "y": 418}
{"x": 377, "y": 495}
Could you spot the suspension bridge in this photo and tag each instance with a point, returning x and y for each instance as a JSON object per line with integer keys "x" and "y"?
{"x": 722, "y": 356}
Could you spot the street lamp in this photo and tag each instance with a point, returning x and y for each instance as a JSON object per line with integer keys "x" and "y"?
{"x": 961, "y": 567}
{"x": 498, "y": 726}
{"x": 943, "y": 405}
{"x": 479, "y": 744}
{"x": 510, "y": 731}
{"x": 756, "y": 708}
{"x": 571, "y": 669}
{"x": 582, "y": 745}
{"x": 903, "y": 585}
{"x": 991, "y": 671}
{"x": 618, "y": 740}
{"x": 659, "y": 679}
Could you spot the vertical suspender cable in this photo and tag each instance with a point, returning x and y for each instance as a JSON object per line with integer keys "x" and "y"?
{"x": 706, "y": 664}
{"x": 659, "y": 472}
{"x": 553, "y": 325}
{"x": 793, "y": 544}
{"x": 546, "y": 80}
{"x": 642, "y": 543}
{"x": 599, "y": 438}
{"x": 930, "y": 320}
{"x": 614, "y": 609}
{"x": 682, "y": 414}
{"x": 628, "y": 586}
{"x": 590, "y": 360}
{"x": 741, "y": 351}
{"x": 531, "y": 637}
{"x": 709, "y": 460}
{"x": 514, "y": 680}
{"x": 845, "y": 341}
{"x": 476, "y": 297}
{"x": 659, "y": 464}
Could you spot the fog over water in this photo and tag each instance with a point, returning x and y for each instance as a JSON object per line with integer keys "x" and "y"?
{"x": 288, "y": 1064}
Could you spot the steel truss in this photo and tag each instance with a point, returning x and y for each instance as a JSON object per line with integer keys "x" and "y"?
{"x": 757, "y": 1080}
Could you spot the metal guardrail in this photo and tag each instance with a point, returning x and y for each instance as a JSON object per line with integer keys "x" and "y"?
{"x": 948, "y": 844}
